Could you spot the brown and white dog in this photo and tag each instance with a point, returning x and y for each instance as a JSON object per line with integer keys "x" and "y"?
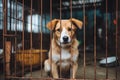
{"x": 64, "y": 46}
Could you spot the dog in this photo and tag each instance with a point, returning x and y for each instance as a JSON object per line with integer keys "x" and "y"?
{"x": 63, "y": 52}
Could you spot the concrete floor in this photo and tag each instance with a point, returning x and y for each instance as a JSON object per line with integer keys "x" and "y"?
{"x": 89, "y": 70}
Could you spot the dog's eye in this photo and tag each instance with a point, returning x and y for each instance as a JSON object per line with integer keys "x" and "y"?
{"x": 58, "y": 30}
{"x": 69, "y": 29}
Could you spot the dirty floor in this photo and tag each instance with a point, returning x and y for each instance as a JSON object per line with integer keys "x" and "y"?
{"x": 89, "y": 70}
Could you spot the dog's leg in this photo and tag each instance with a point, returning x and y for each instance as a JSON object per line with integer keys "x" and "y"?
{"x": 54, "y": 70}
{"x": 47, "y": 65}
{"x": 74, "y": 69}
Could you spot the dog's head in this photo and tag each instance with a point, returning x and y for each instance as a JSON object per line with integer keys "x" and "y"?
{"x": 64, "y": 30}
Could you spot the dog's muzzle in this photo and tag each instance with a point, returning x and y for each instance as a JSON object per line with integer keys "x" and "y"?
{"x": 65, "y": 39}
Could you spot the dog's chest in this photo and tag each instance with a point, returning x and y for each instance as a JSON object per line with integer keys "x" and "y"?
{"x": 65, "y": 55}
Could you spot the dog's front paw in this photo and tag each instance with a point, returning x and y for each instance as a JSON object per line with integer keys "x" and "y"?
{"x": 46, "y": 66}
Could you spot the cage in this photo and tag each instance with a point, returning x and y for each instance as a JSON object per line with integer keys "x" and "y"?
{"x": 25, "y": 40}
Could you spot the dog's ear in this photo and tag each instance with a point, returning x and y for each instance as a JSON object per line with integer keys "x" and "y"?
{"x": 76, "y": 22}
{"x": 50, "y": 25}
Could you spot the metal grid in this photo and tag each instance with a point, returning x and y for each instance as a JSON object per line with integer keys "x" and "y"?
{"x": 8, "y": 38}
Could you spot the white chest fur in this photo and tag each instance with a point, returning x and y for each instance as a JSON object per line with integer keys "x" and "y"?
{"x": 64, "y": 55}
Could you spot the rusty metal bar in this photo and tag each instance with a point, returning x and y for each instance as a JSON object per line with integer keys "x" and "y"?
{"x": 31, "y": 24}
{"x": 10, "y": 14}
{"x": 106, "y": 34}
{"x": 41, "y": 35}
{"x": 15, "y": 65}
{"x": 23, "y": 24}
{"x": 51, "y": 34}
{"x": 23, "y": 37}
{"x": 84, "y": 65}
{"x": 94, "y": 39}
{"x": 31, "y": 36}
{"x": 71, "y": 8}
{"x": 28, "y": 78}
{"x": 9, "y": 35}
{"x": 4, "y": 32}
{"x": 60, "y": 35}
{"x": 71, "y": 70}
{"x": 5, "y": 16}
{"x": 116, "y": 40}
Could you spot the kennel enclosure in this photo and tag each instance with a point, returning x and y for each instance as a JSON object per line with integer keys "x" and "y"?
{"x": 25, "y": 40}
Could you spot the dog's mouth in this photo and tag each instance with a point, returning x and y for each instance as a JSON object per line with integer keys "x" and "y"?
{"x": 65, "y": 42}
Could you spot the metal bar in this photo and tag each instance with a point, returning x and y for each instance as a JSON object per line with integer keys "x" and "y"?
{"x": 41, "y": 34}
{"x": 116, "y": 39}
{"x": 5, "y": 17}
{"x": 3, "y": 38}
{"x": 71, "y": 8}
{"x": 95, "y": 40}
{"x": 60, "y": 35}
{"x": 4, "y": 32}
{"x": 10, "y": 13}
{"x": 28, "y": 78}
{"x": 51, "y": 34}
{"x": 9, "y": 35}
{"x": 31, "y": 37}
{"x": 15, "y": 38}
{"x": 23, "y": 37}
{"x": 84, "y": 65}
{"x": 106, "y": 33}
{"x": 31, "y": 25}
{"x": 71, "y": 70}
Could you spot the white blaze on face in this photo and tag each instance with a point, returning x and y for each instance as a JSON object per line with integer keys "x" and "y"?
{"x": 63, "y": 34}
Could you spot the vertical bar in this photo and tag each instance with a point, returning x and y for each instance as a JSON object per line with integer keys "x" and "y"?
{"x": 10, "y": 13}
{"x": 70, "y": 8}
{"x": 23, "y": 24}
{"x": 106, "y": 33}
{"x": 5, "y": 16}
{"x": 94, "y": 39}
{"x": 71, "y": 69}
{"x": 60, "y": 35}
{"x": 31, "y": 37}
{"x": 41, "y": 34}
{"x": 84, "y": 39}
{"x": 3, "y": 38}
{"x": 116, "y": 39}
{"x": 4, "y": 32}
{"x": 23, "y": 37}
{"x": 51, "y": 34}
{"x": 15, "y": 37}
{"x": 7, "y": 58}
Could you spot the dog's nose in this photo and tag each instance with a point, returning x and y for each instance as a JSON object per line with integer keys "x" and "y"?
{"x": 65, "y": 38}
